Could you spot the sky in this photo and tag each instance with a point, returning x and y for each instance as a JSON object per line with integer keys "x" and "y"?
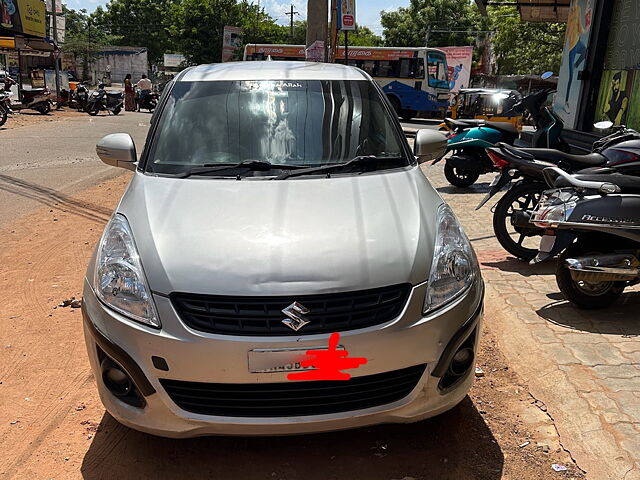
{"x": 367, "y": 11}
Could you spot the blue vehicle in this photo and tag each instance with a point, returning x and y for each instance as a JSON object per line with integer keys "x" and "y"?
{"x": 470, "y": 137}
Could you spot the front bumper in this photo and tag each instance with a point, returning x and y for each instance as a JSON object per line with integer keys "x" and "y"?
{"x": 409, "y": 340}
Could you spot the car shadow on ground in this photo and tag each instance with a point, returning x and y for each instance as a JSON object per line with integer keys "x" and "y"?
{"x": 480, "y": 187}
{"x": 618, "y": 319}
{"x": 455, "y": 445}
{"x": 51, "y": 198}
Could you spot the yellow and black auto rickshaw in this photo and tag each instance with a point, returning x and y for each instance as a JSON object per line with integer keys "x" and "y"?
{"x": 495, "y": 105}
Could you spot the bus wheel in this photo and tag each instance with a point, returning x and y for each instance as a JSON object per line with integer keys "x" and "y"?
{"x": 408, "y": 114}
{"x": 395, "y": 103}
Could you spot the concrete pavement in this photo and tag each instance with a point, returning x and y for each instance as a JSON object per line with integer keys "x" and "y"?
{"x": 36, "y": 166}
{"x": 583, "y": 365}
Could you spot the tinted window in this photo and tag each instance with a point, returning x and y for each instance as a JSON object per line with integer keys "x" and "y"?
{"x": 283, "y": 122}
{"x": 438, "y": 75}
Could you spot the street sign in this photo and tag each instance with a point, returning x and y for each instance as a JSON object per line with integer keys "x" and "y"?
{"x": 346, "y": 15}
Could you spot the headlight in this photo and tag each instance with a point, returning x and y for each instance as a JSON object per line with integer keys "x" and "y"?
{"x": 119, "y": 279}
{"x": 454, "y": 266}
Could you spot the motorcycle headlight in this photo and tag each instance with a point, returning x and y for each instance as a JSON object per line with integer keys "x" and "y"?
{"x": 454, "y": 267}
{"x": 119, "y": 280}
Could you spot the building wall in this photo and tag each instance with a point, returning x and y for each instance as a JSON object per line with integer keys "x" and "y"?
{"x": 111, "y": 66}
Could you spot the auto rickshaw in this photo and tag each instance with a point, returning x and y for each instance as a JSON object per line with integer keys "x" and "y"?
{"x": 494, "y": 105}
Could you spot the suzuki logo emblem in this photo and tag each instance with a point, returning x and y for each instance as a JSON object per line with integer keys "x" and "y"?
{"x": 296, "y": 313}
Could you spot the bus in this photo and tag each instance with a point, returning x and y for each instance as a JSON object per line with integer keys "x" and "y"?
{"x": 399, "y": 71}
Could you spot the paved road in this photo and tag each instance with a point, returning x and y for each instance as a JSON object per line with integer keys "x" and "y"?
{"x": 44, "y": 163}
{"x": 583, "y": 365}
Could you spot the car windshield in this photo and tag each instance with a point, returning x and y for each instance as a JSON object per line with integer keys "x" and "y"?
{"x": 297, "y": 123}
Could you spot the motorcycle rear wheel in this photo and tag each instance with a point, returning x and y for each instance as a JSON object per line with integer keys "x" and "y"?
{"x": 44, "y": 109}
{"x": 93, "y": 112}
{"x": 460, "y": 178}
{"x": 526, "y": 196}
{"x": 3, "y": 115}
{"x": 585, "y": 295}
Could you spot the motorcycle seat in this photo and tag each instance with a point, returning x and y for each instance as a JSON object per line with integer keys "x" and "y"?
{"x": 114, "y": 94}
{"x": 556, "y": 156}
{"x": 627, "y": 183}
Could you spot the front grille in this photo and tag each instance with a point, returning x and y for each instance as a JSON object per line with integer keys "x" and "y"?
{"x": 334, "y": 312}
{"x": 293, "y": 398}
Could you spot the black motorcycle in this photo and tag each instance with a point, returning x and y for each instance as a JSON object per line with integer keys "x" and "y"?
{"x": 81, "y": 96}
{"x": 148, "y": 102}
{"x": 522, "y": 172}
{"x": 5, "y": 106}
{"x": 593, "y": 220}
{"x": 101, "y": 100}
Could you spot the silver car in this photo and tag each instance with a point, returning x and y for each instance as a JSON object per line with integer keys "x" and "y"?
{"x": 279, "y": 264}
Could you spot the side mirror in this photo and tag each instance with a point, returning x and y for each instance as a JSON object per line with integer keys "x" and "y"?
{"x": 118, "y": 150}
{"x": 429, "y": 145}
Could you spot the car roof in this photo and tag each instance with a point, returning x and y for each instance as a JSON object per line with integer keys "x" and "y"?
{"x": 271, "y": 70}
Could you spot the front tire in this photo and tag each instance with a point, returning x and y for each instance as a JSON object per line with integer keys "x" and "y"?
{"x": 458, "y": 177}
{"x": 3, "y": 115}
{"x": 44, "y": 109}
{"x": 585, "y": 295}
{"x": 116, "y": 111}
{"x": 524, "y": 196}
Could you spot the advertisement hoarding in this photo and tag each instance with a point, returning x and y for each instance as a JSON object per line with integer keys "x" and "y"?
{"x": 173, "y": 60}
{"x": 231, "y": 41}
{"x": 459, "y": 60}
{"x": 23, "y": 16}
{"x": 346, "y": 15}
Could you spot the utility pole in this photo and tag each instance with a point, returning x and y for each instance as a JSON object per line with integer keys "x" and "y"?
{"x": 333, "y": 37}
{"x": 292, "y": 13}
{"x": 56, "y": 52}
{"x": 317, "y": 12}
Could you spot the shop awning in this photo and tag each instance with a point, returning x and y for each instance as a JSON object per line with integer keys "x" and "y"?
{"x": 532, "y": 10}
{"x": 32, "y": 46}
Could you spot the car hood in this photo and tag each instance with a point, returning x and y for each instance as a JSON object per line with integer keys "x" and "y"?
{"x": 295, "y": 236}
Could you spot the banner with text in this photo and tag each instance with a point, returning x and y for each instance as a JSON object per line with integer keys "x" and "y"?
{"x": 459, "y": 60}
{"x": 231, "y": 41}
{"x": 23, "y": 16}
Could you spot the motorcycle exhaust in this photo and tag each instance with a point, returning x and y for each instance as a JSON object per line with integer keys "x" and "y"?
{"x": 604, "y": 268}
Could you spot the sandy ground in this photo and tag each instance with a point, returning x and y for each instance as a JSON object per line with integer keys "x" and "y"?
{"x": 26, "y": 117}
{"x": 53, "y": 426}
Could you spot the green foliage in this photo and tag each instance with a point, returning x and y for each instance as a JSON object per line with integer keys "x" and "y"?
{"x": 138, "y": 23}
{"x": 525, "y": 47}
{"x": 197, "y": 26}
{"x": 408, "y": 27}
{"x": 362, "y": 36}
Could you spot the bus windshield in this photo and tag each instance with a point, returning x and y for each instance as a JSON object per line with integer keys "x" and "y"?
{"x": 437, "y": 67}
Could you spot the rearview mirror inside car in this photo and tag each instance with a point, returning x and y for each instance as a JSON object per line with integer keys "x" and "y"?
{"x": 118, "y": 150}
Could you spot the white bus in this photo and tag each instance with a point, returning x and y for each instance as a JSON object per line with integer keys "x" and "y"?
{"x": 412, "y": 89}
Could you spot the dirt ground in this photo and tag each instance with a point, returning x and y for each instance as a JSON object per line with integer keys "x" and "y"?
{"x": 53, "y": 426}
{"x": 27, "y": 117}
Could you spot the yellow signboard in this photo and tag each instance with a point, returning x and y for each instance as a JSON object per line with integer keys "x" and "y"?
{"x": 32, "y": 16}
{"x": 23, "y": 16}
{"x": 7, "y": 42}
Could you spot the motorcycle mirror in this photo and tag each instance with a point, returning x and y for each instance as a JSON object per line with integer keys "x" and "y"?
{"x": 546, "y": 75}
{"x": 604, "y": 125}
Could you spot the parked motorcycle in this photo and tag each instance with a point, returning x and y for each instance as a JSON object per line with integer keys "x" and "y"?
{"x": 149, "y": 102}
{"x": 469, "y": 138}
{"x": 522, "y": 173}
{"x": 101, "y": 100}
{"x": 81, "y": 95}
{"x": 594, "y": 220}
{"x": 38, "y": 99}
{"x": 5, "y": 106}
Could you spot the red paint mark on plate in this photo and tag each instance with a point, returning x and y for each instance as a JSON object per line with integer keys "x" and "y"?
{"x": 328, "y": 363}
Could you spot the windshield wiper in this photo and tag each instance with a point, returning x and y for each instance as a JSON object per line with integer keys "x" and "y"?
{"x": 249, "y": 165}
{"x": 360, "y": 161}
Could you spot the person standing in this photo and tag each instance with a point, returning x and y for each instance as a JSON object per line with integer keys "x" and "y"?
{"x": 144, "y": 84}
{"x": 129, "y": 94}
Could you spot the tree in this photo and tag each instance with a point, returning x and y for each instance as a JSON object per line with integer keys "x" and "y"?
{"x": 197, "y": 26}
{"x": 83, "y": 39}
{"x": 444, "y": 22}
{"x": 139, "y": 23}
{"x": 525, "y": 47}
{"x": 362, "y": 36}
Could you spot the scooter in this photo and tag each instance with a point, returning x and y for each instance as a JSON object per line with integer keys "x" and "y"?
{"x": 469, "y": 139}
{"x": 5, "y": 106}
{"x": 101, "y": 100}
{"x": 149, "y": 102}
{"x": 38, "y": 99}
{"x": 521, "y": 172}
{"x": 594, "y": 220}
{"x": 81, "y": 95}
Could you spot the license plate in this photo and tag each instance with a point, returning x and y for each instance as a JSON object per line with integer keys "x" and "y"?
{"x": 547, "y": 242}
{"x": 280, "y": 360}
